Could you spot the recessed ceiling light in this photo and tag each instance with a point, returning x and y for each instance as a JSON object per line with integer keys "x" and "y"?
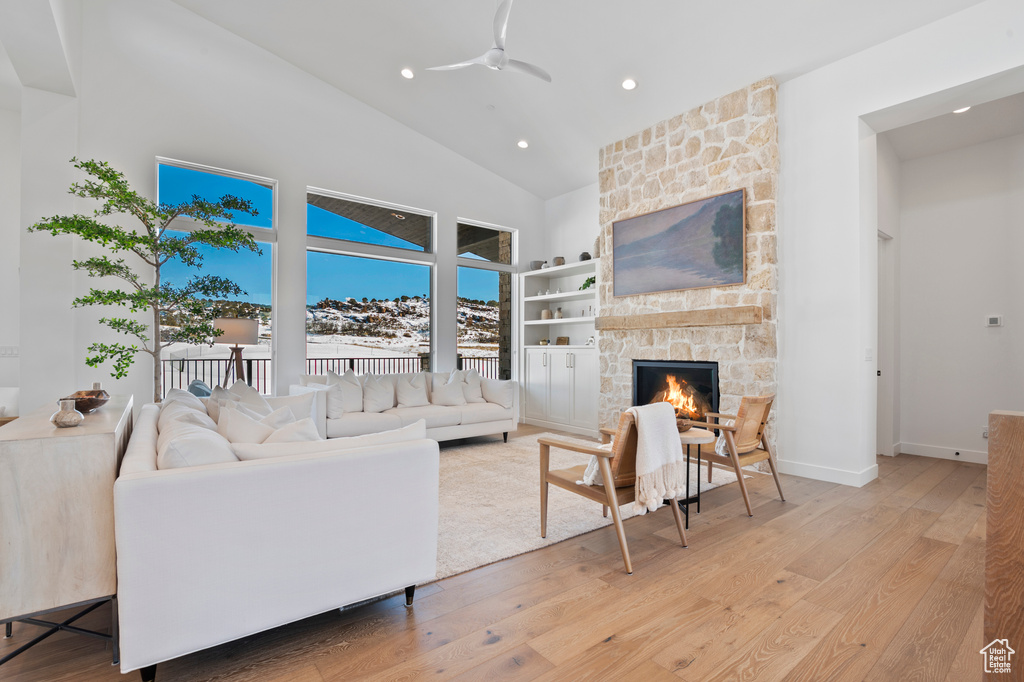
{"x": 407, "y": 73}
{"x": 961, "y": 110}
{"x": 522, "y": 144}
{"x": 629, "y": 84}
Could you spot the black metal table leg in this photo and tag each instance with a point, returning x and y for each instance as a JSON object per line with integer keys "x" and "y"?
{"x": 65, "y": 626}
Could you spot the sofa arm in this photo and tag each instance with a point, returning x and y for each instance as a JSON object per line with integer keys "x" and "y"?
{"x": 208, "y": 554}
{"x": 319, "y": 404}
{"x": 504, "y": 392}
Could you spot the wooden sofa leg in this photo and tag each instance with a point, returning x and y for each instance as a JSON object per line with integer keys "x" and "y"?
{"x": 505, "y": 436}
{"x": 409, "y": 592}
{"x": 148, "y": 673}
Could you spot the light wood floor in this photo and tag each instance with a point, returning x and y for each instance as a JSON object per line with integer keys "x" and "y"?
{"x": 878, "y": 583}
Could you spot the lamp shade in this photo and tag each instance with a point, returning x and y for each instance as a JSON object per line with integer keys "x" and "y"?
{"x": 237, "y": 330}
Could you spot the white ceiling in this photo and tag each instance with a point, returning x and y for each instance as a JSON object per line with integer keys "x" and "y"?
{"x": 682, "y": 53}
{"x": 982, "y": 123}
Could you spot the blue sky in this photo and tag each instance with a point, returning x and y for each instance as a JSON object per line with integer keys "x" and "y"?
{"x": 328, "y": 275}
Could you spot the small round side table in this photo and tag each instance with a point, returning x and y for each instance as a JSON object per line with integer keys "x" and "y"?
{"x": 698, "y": 437}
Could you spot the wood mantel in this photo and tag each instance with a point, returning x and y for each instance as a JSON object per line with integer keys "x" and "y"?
{"x": 711, "y": 317}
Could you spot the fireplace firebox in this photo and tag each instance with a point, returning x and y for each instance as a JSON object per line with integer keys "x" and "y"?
{"x": 691, "y": 387}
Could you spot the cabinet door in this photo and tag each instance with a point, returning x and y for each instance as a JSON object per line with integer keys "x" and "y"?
{"x": 585, "y": 388}
{"x": 536, "y": 383}
{"x": 560, "y": 382}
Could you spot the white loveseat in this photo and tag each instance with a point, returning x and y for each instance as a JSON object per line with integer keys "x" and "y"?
{"x": 356, "y": 413}
{"x": 211, "y": 553}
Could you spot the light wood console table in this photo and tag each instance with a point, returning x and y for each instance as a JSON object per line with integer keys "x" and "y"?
{"x": 57, "y": 517}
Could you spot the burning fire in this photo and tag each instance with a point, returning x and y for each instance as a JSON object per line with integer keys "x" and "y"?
{"x": 681, "y": 399}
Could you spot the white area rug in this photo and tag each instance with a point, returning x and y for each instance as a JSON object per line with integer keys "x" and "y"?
{"x": 490, "y": 502}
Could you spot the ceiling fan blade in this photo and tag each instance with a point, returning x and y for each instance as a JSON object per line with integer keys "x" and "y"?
{"x": 501, "y": 23}
{"x": 460, "y": 65}
{"x": 523, "y": 67}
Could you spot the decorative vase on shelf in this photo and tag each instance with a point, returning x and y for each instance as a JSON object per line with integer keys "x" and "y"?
{"x": 67, "y": 416}
{"x": 558, "y": 314}
{"x": 559, "y": 260}
{"x": 545, "y": 314}
{"x": 585, "y": 256}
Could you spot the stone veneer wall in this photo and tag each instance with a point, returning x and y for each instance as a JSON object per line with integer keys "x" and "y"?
{"x": 724, "y": 145}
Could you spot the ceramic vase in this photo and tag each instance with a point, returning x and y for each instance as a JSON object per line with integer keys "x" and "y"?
{"x": 67, "y": 416}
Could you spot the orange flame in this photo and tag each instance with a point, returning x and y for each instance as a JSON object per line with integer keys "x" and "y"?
{"x": 681, "y": 400}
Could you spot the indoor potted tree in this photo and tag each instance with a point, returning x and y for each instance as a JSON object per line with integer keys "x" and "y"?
{"x": 155, "y": 245}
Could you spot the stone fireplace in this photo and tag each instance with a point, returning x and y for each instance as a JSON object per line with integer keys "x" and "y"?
{"x": 726, "y": 144}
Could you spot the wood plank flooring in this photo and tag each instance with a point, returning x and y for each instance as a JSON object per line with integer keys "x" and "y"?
{"x": 884, "y": 582}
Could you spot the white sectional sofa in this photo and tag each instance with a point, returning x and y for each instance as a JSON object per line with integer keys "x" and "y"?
{"x": 352, "y": 405}
{"x": 213, "y": 552}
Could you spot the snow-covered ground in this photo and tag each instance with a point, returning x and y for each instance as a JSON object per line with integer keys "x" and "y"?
{"x": 379, "y": 329}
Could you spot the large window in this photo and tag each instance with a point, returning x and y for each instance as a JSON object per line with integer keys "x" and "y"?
{"x": 177, "y": 183}
{"x": 368, "y": 291}
{"x": 486, "y": 260}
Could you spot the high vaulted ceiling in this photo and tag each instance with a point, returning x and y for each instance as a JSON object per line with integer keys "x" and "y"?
{"x": 682, "y": 53}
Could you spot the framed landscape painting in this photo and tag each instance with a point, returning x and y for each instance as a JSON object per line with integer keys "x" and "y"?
{"x": 690, "y": 246}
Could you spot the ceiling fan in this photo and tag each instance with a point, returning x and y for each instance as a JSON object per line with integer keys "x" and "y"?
{"x": 495, "y": 58}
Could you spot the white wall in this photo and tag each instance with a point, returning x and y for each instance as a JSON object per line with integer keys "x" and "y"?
{"x": 888, "y": 195}
{"x": 963, "y": 246}
{"x": 10, "y": 220}
{"x": 827, "y": 245}
{"x": 156, "y": 79}
{"x": 571, "y": 223}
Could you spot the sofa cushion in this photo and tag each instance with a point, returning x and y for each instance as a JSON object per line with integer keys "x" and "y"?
{"x": 411, "y": 390}
{"x": 479, "y": 413}
{"x": 358, "y": 423}
{"x": 178, "y": 395}
{"x": 378, "y": 393}
{"x": 345, "y": 394}
{"x": 301, "y": 431}
{"x": 247, "y": 451}
{"x": 301, "y": 405}
{"x": 434, "y": 415}
{"x": 182, "y": 410}
{"x": 448, "y": 394}
{"x": 193, "y": 446}
{"x": 238, "y": 427}
{"x": 470, "y": 380}
{"x": 500, "y": 392}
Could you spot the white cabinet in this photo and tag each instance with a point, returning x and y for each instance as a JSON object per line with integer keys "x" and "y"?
{"x": 561, "y": 386}
{"x": 560, "y": 382}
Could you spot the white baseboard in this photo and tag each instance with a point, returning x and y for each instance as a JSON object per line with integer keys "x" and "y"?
{"x": 557, "y": 426}
{"x": 820, "y": 473}
{"x": 975, "y": 456}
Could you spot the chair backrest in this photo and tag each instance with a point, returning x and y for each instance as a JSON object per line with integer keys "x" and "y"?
{"x": 750, "y": 422}
{"x": 624, "y": 452}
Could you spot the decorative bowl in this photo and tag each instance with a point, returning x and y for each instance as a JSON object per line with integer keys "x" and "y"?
{"x": 537, "y": 264}
{"x": 89, "y": 401}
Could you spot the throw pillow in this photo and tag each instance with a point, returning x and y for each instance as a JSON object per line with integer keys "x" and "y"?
{"x": 301, "y": 405}
{"x": 219, "y": 396}
{"x": 448, "y": 394}
{"x": 301, "y": 431}
{"x": 412, "y": 391}
{"x": 378, "y": 394}
{"x": 248, "y": 451}
{"x": 471, "y": 387}
{"x": 178, "y": 395}
{"x": 195, "y": 448}
{"x": 237, "y": 427}
{"x": 500, "y": 392}
{"x": 181, "y": 410}
{"x": 250, "y": 397}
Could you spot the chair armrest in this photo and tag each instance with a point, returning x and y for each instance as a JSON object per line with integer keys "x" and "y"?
{"x": 719, "y": 415}
{"x": 576, "y": 447}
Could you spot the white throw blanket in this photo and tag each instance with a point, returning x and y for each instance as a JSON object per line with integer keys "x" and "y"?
{"x": 660, "y": 465}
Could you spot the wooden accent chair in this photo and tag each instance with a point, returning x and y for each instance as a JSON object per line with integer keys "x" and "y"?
{"x": 618, "y": 471}
{"x": 746, "y": 439}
